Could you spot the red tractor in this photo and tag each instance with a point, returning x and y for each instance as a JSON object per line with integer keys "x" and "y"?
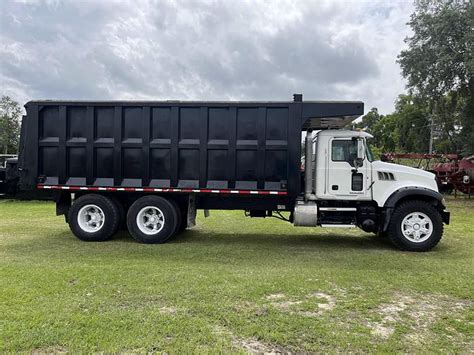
{"x": 463, "y": 178}
{"x": 452, "y": 172}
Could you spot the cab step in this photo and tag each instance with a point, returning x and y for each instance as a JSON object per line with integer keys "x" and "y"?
{"x": 335, "y": 225}
{"x": 337, "y": 209}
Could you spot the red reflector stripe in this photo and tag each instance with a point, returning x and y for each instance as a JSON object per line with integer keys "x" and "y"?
{"x": 150, "y": 189}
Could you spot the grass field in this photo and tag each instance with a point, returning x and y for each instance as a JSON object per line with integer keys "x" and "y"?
{"x": 232, "y": 284}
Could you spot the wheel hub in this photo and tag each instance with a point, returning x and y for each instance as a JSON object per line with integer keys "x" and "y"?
{"x": 150, "y": 220}
{"x": 91, "y": 218}
{"x": 417, "y": 227}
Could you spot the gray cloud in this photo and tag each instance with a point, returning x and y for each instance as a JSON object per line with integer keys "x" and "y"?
{"x": 202, "y": 50}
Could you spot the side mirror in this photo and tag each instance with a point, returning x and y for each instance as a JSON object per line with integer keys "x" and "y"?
{"x": 358, "y": 162}
{"x": 360, "y": 149}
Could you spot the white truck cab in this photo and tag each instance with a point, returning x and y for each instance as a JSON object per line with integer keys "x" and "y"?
{"x": 346, "y": 187}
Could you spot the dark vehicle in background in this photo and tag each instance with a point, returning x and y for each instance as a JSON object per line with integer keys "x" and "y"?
{"x": 9, "y": 176}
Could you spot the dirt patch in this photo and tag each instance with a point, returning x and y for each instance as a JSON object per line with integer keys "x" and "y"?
{"x": 417, "y": 311}
{"x": 325, "y": 302}
{"x": 311, "y": 305}
{"x": 168, "y": 310}
{"x": 250, "y": 345}
{"x": 221, "y": 330}
{"x": 285, "y": 305}
{"x": 381, "y": 330}
{"x": 254, "y": 346}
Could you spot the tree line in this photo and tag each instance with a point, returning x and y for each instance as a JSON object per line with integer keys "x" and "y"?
{"x": 10, "y": 115}
{"x": 439, "y": 66}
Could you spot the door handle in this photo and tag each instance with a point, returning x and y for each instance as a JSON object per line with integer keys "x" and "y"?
{"x": 335, "y": 187}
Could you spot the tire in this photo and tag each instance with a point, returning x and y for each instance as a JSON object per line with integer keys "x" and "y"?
{"x": 415, "y": 226}
{"x": 157, "y": 212}
{"x": 122, "y": 212}
{"x": 94, "y": 218}
{"x": 179, "y": 219}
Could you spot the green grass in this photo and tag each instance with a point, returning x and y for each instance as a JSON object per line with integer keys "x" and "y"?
{"x": 232, "y": 284}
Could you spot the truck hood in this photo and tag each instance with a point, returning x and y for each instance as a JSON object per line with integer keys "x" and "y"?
{"x": 402, "y": 169}
{"x": 405, "y": 175}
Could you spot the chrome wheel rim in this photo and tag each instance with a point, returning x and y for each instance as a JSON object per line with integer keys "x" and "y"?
{"x": 417, "y": 227}
{"x": 150, "y": 220}
{"x": 91, "y": 218}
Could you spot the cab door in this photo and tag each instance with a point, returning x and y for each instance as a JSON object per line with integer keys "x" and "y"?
{"x": 348, "y": 171}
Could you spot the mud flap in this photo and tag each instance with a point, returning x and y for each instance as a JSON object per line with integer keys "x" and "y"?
{"x": 63, "y": 203}
{"x": 191, "y": 211}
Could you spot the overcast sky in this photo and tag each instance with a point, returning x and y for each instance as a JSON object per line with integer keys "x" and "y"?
{"x": 203, "y": 50}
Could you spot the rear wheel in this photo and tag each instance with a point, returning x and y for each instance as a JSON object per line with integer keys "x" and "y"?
{"x": 94, "y": 218}
{"x": 152, "y": 219}
{"x": 415, "y": 226}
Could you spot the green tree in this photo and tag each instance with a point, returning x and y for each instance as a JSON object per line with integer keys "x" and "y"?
{"x": 369, "y": 120}
{"x": 467, "y": 132}
{"x": 386, "y": 134}
{"x": 439, "y": 67}
{"x": 450, "y": 120}
{"x": 412, "y": 132}
{"x": 381, "y": 127}
{"x": 406, "y": 129}
{"x": 10, "y": 113}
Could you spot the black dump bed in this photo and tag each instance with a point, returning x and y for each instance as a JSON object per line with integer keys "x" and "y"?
{"x": 245, "y": 146}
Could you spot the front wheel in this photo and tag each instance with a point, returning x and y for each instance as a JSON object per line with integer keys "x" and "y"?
{"x": 415, "y": 226}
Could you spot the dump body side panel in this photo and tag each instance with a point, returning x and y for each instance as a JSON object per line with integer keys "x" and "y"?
{"x": 248, "y": 148}
{"x": 162, "y": 145}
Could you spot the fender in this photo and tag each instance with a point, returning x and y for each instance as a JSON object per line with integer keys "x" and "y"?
{"x": 411, "y": 191}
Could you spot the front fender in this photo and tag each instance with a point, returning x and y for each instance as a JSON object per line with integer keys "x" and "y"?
{"x": 404, "y": 192}
{"x": 413, "y": 192}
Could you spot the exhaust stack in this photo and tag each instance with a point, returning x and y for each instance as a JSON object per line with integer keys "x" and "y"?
{"x": 308, "y": 167}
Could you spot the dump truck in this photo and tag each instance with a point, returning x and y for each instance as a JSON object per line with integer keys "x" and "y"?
{"x": 150, "y": 165}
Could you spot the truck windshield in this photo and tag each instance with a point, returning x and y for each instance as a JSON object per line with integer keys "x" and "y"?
{"x": 370, "y": 155}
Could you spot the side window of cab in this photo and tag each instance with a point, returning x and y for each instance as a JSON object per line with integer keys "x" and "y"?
{"x": 344, "y": 150}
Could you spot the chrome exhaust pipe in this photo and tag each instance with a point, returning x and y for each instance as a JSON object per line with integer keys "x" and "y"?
{"x": 308, "y": 167}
